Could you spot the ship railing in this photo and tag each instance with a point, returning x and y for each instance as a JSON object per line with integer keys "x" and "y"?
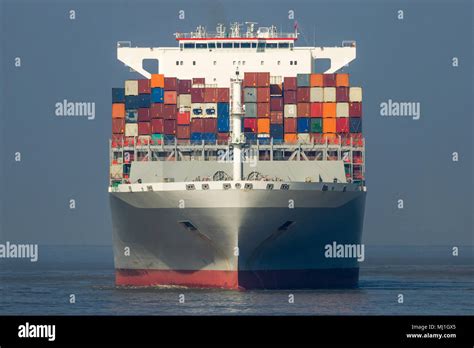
{"x": 215, "y": 35}
{"x": 122, "y": 44}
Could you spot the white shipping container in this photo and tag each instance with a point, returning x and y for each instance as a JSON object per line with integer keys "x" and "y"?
{"x": 210, "y": 110}
{"x": 131, "y": 129}
{"x": 184, "y": 100}
{"x": 197, "y": 110}
{"x": 316, "y": 95}
{"x": 304, "y": 137}
{"x": 342, "y": 109}
{"x": 329, "y": 94}
{"x": 290, "y": 110}
{"x": 116, "y": 171}
{"x": 355, "y": 94}
{"x": 131, "y": 87}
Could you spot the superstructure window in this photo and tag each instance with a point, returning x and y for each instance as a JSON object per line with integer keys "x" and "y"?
{"x": 245, "y": 45}
{"x": 254, "y": 44}
{"x": 189, "y": 45}
{"x": 236, "y": 44}
{"x": 194, "y": 62}
{"x": 296, "y": 62}
{"x": 261, "y": 45}
{"x": 219, "y": 45}
{"x": 271, "y": 45}
{"x": 227, "y": 45}
{"x": 261, "y": 62}
{"x": 212, "y": 45}
{"x": 284, "y": 45}
{"x": 177, "y": 62}
{"x": 291, "y": 62}
{"x": 201, "y": 45}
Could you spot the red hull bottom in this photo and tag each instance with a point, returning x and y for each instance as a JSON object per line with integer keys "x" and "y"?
{"x": 263, "y": 279}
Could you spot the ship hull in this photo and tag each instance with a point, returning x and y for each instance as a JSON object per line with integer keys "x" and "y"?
{"x": 236, "y": 239}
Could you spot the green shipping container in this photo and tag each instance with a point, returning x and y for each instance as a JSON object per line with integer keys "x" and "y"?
{"x": 157, "y": 138}
{"x": 316, "y": 125}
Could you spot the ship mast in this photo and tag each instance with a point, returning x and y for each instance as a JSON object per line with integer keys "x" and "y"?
{"x": 236, "y": 113}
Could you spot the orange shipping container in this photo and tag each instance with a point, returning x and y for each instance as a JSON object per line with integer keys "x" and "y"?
{"x": 263, "y": 125}
{"x": 329, "y": 109}
{"x": 291, "y": 137}
{"x": 118, "y": 110}
{"x": 342, "y": 80}
{"x": 329, "y": 125}
{"x": 316, "y": 80}
{"x": 157, "y": 80}
{"x": 170, "y": 97}
{"x": 330, "y": 137}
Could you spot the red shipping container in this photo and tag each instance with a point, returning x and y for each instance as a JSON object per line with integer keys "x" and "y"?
{"x": 222, "y": 95}
{"x": 302, "y": 94}
{"x": 263, "y": 95}
{"x": 355, "y": 109}
{"x": 117, "y": 140}
{"x": 316, "y": 110}
{"x": 263, "y": 79}
{"x": 276, "y": 117}
{"x": 197, "y": 125}
{"x": 289, "y": 84}
{"x": 276, "y": 103}
{"x": 170, "y": 97}
{"x": 183, "y": 132}
{"x": 303, "y": 110}
{"x": 144, "y": 86}
{"x": 157, "y": 125}
{"x": 289, "y": 97}
{"x": 199, "y": 81}
{"x": 250, "y": 79}
{"x": 210, "y": 95}
{"x": 118, "y": 125}
{"x": 183, "y": 118}
{"x": 290, "y": 125}
{"x": 169, "y": 111}
{"x": 144, "y": 128}
{"x": 156, "y": 110}
{"x": 222, "y": 138}
{"x": 263, "y": 109}
{"x": 342, "y": 124}
{"x": 171, "y": 84}
{"x": 143, "y": 115}
{"x": 329, "y": 80}
{"x": 169, "y": 127}
{"x": 250, "y": 125}
{"x": 184, "y": 86}
{"x": 276, "y": 90}
{"x": 210, "y": 125}
{"x": 197, "y": 95}
{"x": 342, "y": 94}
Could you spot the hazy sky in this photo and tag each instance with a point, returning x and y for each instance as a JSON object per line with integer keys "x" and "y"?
{"x": 402, "y": 60}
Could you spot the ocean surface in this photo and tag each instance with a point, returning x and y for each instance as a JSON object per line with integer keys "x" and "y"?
{"x": 431, "y": 281}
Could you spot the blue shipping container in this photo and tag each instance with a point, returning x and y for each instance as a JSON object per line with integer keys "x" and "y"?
{"x": 304, "y": 124}
{"x": 223, "y": 109}
{"x": 132, "y": 102}
{"x": 118, "y": 95}
{"x": 157, "y": 95}
{"x": 276, "y": 131}
{"x": 145, "y": 100}
{"x": 168, "y": 138}
{"x": 209, "y": 138}
{"x": 251, "y": 137}
{"x": 131, "y": 116}
{"x": 223, "y": 123}
{"x": 355, "y": 125}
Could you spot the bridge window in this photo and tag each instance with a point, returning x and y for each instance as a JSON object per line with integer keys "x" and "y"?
{"x": 271, "y": 45}
{"x": 283, "y": 45}
{"x": 227, "y": 45}
{"x": 245, "y": 45}
{"x": 219, "y": 45}
{"x": 261, "y": 45}
{"x": 201, "y": 45}
{"x": 236, "y": 44}
{"x": 254, "y": 44}
{"x": 296, "y": 62}
{"x": 189, "y": 45}
{"x": 212, "y": 45}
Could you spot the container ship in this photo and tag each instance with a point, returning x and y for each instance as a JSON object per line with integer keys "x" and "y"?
{"x": 236, "y": 165}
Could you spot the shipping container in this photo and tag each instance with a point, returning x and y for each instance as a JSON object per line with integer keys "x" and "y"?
{"x": 342, "y": 80}
{"x": 157, "y": 95}
{"x": 342, "y": 94}
{"x": 355, "y": 125}
{"x": 263, "y": 125}
{"x": 316, "y": 125}
{"x": 263, "y": 109}
{"x": 303, "y": 80}
{"x": 263, "y": 95}
{"x": 222, "y": 95}
{"x": 276, "y": 117}
{"x": 329, "y": 80}
{"x": 251, "y": 137}
{"x": 199, "y": 81}
{"x": 128, "y": 141}
{"x": 263, "y": 79}
{"x": 329, "y": 109}
{"x": 118, "y": 110}
{"x": 196, "y": 137}
{"x": 132, "y": 116}
{"x": 316, "y": 95}
{"x": 171, "y": 84}
{"x": 169, "y": 138}
{"x": 131, "y": 87}
{"x": 144, "y": 128}
{"x": 156, "y": 110}
{"x": 223, "y": 137}
{"x": 276, "y": 89}
{"x": 223, "y": 123}
{"x": 250, "y": 109}
{"x": 118, "y": 125}
{"x": 170, "y": 97}
{"x": 250, "y": 95}
{"x": 183, "y": 132}
{"x": 250, "y": 79}
{"x": 329, "y": 94}
{"x": 209, "y": 138}
{"x": 144, "y": 100}
{"x": 184, "y": 86}
{"x": 304, "y": 138}
{"x": 197, "y": 110}
{"x": 157, "y": 80}
{"x": 276, "y": 131}
{"x": 210, "y": 95}
{"x": 316, "y": 80}
{"x": 329, "y": 125}
{"x": 169, "y": 127}
{"x": 210, "y": 125}
{"x": 183, "y": 118}
{"x": 223, "y": 110}
{"x": 144, "y": 86}
{"x": 290, "y": 110}
{"x": 355, "y": 94}
{"x": 157, "y": 125}
{"x": 250, "y": 125}
{"x": 169, "y": 111}
{"x": 316, "y": 109}
{"x": 289, "y": 84}
{"x": 118, "y": 95}
{"x": 131, "y": 129}
{"x": 132, "y": 102}
{"x": 303, "y": 125}
{"x": 355, "y": 109}
{"x": 184, "y": 101}
{"x": 290, "y": 125}
{"x": 156, "y": 139}
{"x": 342, "y": 109}
{"x": 342, "y": 125}
{"x": 289, "y": 97}
{"x": 197, "y": 95}
{"x": 291, "y": 138}
{"x": 197, "y": 125}
{"x": 303, "y": 110}
{"x": 303, "y": 94}
{"x": 117, "y": 140}
{"x": 116, "y": 171}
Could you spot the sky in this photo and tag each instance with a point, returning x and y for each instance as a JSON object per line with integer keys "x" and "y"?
{"x": 405, "y": 60}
